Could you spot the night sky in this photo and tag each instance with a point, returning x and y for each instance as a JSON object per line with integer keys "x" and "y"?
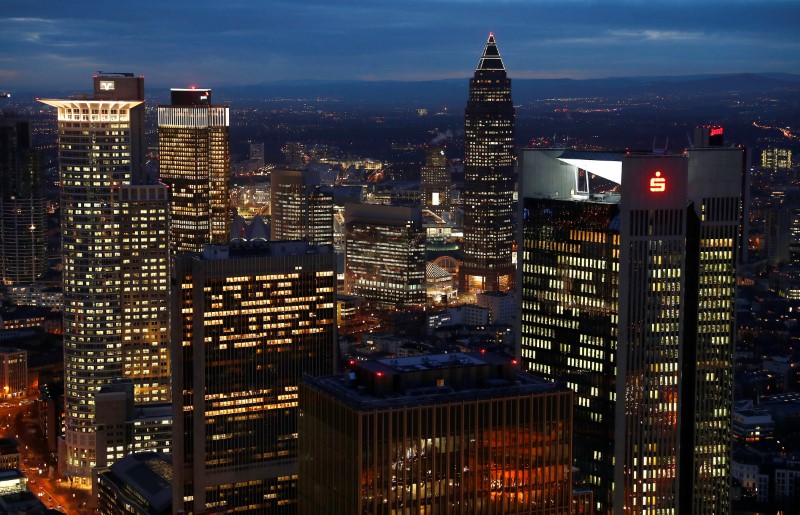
{"x": 53, "y": 44}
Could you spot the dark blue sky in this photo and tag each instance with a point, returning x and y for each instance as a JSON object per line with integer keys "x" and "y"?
{"x": 53, "y": 44}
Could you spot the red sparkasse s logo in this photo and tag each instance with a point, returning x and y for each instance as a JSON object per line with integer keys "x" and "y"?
{"x": 658, "y": 184}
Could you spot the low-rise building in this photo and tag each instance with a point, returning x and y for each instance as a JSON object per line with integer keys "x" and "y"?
{"x": 13, "y": 372}
{"x": 140, "y": 483}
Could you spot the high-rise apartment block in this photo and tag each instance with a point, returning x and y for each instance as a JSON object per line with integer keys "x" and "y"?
{"x": 628, "y": 298}
{"x": 488, "y": 195}
{"x": 22, "y": 205}
{"x": 194, "y": 161}
{"x": 436, "y": 181}
{"x": 447, "y": 433}
{"x": 300, "y": 209}
{"x": 250, "y": 319}
{"x": 385, "y": 254}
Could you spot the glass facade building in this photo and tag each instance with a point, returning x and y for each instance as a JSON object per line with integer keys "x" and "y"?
{"x": 628, "y": 297}
{"x": 450, "y": 433}
{"x": 250, "y": 320}
{"x": 385, "y": 254}
{"x": 23, "y": 255}
{"x": 570, "y": 283}
{"x": 436, "y": 181}
{"x": 194, "y": 161}
{"x": 300, "y": 209}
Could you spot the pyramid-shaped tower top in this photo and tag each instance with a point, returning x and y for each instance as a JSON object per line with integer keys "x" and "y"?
{"x": 491, "y": 60}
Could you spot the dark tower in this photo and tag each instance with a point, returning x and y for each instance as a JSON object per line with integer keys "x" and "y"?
{"x": 436, "y": 181}
{"x": 22, "y": 205}
{"x": 489, "y": 185}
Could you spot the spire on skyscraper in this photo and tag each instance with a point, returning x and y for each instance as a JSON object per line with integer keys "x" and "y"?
{"x": 491, "y": 60}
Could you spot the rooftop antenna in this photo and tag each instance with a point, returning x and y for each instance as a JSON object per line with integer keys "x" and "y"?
{"x": 660, "y": 151}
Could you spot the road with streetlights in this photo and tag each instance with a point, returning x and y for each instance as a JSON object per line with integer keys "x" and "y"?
{"x": 36, "y": 463}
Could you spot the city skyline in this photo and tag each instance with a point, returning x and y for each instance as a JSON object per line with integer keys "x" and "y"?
{"x": 47, "y": 46}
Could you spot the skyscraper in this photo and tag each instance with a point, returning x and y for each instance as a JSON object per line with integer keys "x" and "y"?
{"x": 250, "y": 320}
{"x": 775, "y": 159}
{"x": 448, "y": 433}
{"x": 569, "y": 287}
{"x": 144, "y": 276}
{"x": 300, "y": 209}
{"x": 629, "y": 300}
{"x": 488, "y": 194}
{"x": 256, "y": 156}
{"x": 194, "y": 161}
{"x": 435, "y": 180}
{"x": 96, "y": 144}
{"x": 385, "y": 254}
{"x": 22, "y": 205}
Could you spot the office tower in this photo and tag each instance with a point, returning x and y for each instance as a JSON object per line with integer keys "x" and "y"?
{"x": 784, "y": 227}
{"x": 194, "y": 161}
{"x": 708, "y": 136}
{"x": 435, "y": 179}
{"x": 488, "y": 195}
{"x": 447, "y": 433}
{"x": 385, "y": 254}
{"x": 95, "y": 139}
{"x": 22, "y": 205}
{"x": 256, "y": 155}
{"x": 570, "y": 277}
{"x": 776, "y": 159}
{"x": 629, "y": 299}
{"x": 251, "y": 319}
{"x": 144, "y": 276}
{"x": 300, "y": 209}
{"x": 782, "y": 230}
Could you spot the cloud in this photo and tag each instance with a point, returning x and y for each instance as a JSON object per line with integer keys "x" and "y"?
{"x": 26, "y": 20}
{"x": 241, "y": 41}
{"x": 658, "y": 35}
{"x": 9, "y": 74}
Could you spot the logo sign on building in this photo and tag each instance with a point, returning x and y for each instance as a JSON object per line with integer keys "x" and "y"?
{"x": 107, "y": 85}
{"x": 658, "y": 184}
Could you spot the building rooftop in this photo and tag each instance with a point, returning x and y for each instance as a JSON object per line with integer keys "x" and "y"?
{"x": 9, "y": 445}
{"x": 430, "y": 379}
{"x": 149, "y": 474}
{"x": 256, "y": 248}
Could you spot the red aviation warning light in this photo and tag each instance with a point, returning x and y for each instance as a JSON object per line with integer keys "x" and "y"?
{"x": 658, "y": 184}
